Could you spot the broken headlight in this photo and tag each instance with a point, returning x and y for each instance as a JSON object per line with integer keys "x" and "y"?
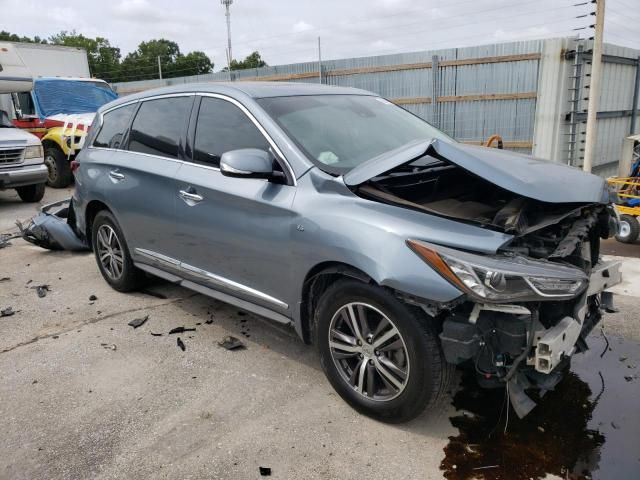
{"x": 500, "y": 278}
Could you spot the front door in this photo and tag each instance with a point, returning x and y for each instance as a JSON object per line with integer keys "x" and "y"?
{"x": 235, "y": 231}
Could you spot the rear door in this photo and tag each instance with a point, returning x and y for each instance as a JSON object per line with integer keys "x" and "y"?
{"x": 234, "y": 234}
{"x": 141, "y": 178}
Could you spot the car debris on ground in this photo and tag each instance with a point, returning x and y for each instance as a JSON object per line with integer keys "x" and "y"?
{"x": 7, "y": 312}
{"x": 42, "y": 290}
{"x": 181, "y": 330}
{"x": 180, "y": 344}
{"x": 137, "y": 322}
{"x": 232, "y": 343}
{"x": 265, "y": 471}
{"x": 53, "y": 228}
{"x": 109, "y": 346}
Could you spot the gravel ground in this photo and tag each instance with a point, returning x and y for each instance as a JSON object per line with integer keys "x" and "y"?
{"x": 84, "y": 395}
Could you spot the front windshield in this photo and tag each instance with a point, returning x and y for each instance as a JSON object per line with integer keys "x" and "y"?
{"x": 56, "y": 96}
{"x": 339, "y": 132}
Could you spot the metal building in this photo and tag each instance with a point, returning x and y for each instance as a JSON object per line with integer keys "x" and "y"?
{"x": 532, "y": 93}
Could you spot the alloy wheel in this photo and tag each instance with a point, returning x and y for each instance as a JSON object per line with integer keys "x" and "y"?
{"x": 369, "y": 351}
{"x": 110, "y": 252}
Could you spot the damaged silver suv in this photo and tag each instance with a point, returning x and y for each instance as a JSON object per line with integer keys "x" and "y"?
{"x": 397, "y": 251}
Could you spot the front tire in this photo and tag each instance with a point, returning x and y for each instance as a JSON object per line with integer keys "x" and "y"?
{"x": 382, "y": 356}
{"x": 112, "y": 254}
{"x": 31, "y": 193}
{"x": 60, "y": 175}
{"x": 629, "y": 229}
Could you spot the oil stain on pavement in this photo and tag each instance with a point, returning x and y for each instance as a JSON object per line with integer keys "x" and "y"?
{"x": 587, "y": 428}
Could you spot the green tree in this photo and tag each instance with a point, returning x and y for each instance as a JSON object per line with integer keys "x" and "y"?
{"x": 12, "y": 37}
{"x": 253, "y": 60}
{"x": 104, "y": 60}
{"x": 143, "y": 63}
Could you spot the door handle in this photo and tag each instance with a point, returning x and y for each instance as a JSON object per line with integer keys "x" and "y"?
{"x": 115, "y": 175}
{"x": 191, "y": 197}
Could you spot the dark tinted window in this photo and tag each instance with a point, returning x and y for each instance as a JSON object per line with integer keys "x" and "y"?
{"x": 223, "y": 127}
{"x": 159, "y": 125}
{"x": 114, "y": 126}
{"x": 25, "y": 103}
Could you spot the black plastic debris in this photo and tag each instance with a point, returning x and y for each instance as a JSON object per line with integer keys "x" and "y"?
{"x": 109, "y": 346}
{"x": 4, "y": 239}
{"x": 265, "y": 471}
{"x": 92, "y": 298}
{"x": 181, "y": 330}
{"x": 54, "y": 228}
{"x": 232, "y": 343}
{"x": 136, "y": 322}
{"x": 209, "y": 322}
{"x": 180, "y": 344}
{"x": 5, "y": 279}
{"x": 7, "y": 312}
{"x": 42, "y": 290}
{"x": 156, "y": 334}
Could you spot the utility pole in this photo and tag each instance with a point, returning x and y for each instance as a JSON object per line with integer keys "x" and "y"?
{"x": 319, "y": 62}
{"x": 227, "y": 4}
{"x": 594, "y": 88}
{"x": 159, "y": 68}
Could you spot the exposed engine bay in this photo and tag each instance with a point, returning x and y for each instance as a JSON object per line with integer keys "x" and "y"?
{"x": 513, "y": 328}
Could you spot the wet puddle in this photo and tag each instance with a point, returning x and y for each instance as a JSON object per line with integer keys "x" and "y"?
{"x": 587, "y": 428}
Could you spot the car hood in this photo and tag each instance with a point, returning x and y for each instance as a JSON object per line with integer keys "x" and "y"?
{"x": 17, "y": 136}
{"x": 521, "y": 174}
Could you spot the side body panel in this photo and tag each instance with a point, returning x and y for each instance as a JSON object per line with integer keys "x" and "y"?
{"x": 241, "y": 230}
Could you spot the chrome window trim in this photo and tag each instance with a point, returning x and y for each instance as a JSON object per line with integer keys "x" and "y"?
{"x": 258, "y": 125}
{"x": 101, "y": 122}
{"x": 137, "y": 100}
{"x": 209, "y": 277}
{"x": 219, "y": 96}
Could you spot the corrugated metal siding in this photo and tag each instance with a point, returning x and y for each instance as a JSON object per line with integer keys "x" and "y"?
{"x": 476, "y": 120}
{"x": 466, "y": 120}
{"x": 616, "y": 94}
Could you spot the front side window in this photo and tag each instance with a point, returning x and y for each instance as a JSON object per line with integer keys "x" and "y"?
{"x": 223, "y": 127}
{"x": 159, "y": 126}
{"x": 114, "y": 126}
{"x": 24, "y": 102}
{"x": 339, "y": 132}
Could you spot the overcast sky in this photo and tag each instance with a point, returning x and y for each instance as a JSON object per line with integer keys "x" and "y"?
{"x": 286, "y": 31}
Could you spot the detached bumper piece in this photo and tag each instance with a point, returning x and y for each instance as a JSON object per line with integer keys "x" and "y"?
{"x": 530, "y": 345}
{"x": 54, "y": 228}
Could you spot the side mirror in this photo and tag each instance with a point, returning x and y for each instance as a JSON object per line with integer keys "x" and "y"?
{"x": 247, "y": 163}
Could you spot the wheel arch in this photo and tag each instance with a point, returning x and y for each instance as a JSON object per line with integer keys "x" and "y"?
{"x": 93, "y": 207}
{"x": 318, "y": 278}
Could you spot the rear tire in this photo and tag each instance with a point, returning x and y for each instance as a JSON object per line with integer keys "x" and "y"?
{"x": 31, "y": 193}
{"x": 629, "y": 229}
{"x": 112, "y": 254}
{"x": 401, "y": 375}
{"x": 59, "y": 168}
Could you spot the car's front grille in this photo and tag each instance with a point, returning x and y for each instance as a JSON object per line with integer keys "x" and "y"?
{"x": 9, "y": 156}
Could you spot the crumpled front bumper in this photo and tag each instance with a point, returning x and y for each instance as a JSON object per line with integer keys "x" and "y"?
{"x": 559, "y": 341}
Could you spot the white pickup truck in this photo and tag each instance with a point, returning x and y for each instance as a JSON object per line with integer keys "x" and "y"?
{"x": 21, "y": 157}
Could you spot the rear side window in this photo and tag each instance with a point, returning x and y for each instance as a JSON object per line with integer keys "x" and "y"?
{"x": 114, "y": 126}
{"x": 159, "y": 126}
{"x": 222, "y": 127}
